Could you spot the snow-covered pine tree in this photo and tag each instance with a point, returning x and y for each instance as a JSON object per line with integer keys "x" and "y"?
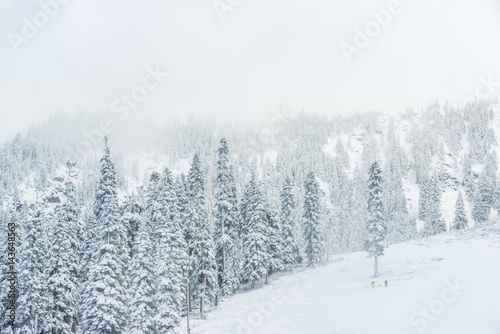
{"x": 87, "y": 260}
{"x": 170, "y": 253}
{"x": 276, "y": 244}
{"x": 132, "y": 217}
{"x": 433, "y": 219}
{"x": 341, "y": 195}
{"x": 291, "y": 251}
{"x": 105, "y": 298}
{"x": 227, "y": 224}
{"x": 412, "y": 230}
{"x": 153, "y": 210}
{"x": 496, "y": 198}
{"x": 33, "y": 303}
{"x": 424, "y": 201}
{"x": 483, "y": 196}
{"x": 468, "y": 176}
{"x": 142, "y": 306}
{"x": 460, "y": 221}
{"x": 396, "y": 212}
{"x": 201, "y": 249}
{"x": 254, "y": 233}
{"x": 63, "y": 264}
{"x": 182, "y": 205}
{"x": 313, "y": 235}
{"x": 375, "y": 223}
{"x": 358, "y": 209}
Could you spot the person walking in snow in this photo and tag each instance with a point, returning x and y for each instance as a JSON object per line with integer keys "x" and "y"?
{"x": 386, "y": 283}
{"x": 373, "y": 284}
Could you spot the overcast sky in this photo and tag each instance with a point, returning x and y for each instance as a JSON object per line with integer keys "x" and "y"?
{"x": 243, "y": 60}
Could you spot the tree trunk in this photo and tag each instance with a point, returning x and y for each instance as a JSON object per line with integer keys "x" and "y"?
{"x": 376, "y": 267}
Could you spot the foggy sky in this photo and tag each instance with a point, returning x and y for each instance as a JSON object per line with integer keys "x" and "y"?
{"x": 262, "y": 55}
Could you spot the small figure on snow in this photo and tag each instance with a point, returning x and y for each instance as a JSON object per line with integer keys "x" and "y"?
{"x": 386, "y": 284}
{"x": 373, "y": 284}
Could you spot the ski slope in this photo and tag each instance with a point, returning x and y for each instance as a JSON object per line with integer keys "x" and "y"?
{"x": 445, "y": 284}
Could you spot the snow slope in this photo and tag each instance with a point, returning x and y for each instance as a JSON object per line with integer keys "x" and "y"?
{"x": 446, "y": 284}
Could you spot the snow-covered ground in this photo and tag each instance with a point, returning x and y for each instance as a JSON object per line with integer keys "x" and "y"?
{"x": 445, "y": 284}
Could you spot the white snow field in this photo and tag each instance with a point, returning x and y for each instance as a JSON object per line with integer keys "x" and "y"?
{"x": 445, "y": 284}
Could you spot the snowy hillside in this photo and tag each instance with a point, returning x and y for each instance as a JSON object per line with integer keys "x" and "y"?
{"x": 440, "y": 285}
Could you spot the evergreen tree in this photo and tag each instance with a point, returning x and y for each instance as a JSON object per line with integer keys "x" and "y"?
{"x": 375, "y": 223}
{"x": 142, "y": 283}
{"x": 63, "y": 264}
{"x": 412, "y": 230}
{"x": 313, "y": 235}
{"x": 201, "y": 250}
{"x": 433, "y": 220}
{"x": 227, "y": 224}
{"x": 276, "y": 244}
{"x": 358, "y": 212}
{"x": 182, "y": 205}
{"x": 483, "y": 196}
{"x": 132, "y": 217}
{"x": 460, "y": 221}
{"x": 396, "y": 213}
{"x": 424, "y": 201}
{"x": 32, "y": 312}
{"x": 468, "y": 176}
{"x": 254, "y": 233}
{"x": 105, "y": 297}
{"x": 87, "y": 260}
{"x": 170, "y": 254}
{"x": 496, "y": 198}
{"x": 291, "y": 252}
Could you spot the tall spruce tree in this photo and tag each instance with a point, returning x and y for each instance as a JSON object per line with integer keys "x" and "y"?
{"x": 132, "y": 217}
{"x": 375, "y": 223}
{"x": 496, "y": 198}
{"x": 483, "y": 196}
{"x": 276, "y": 244}
{"x": 87, "y": 260}
{"x": 227, "y": 224}
{"x": 291, "y": 251}
{"x": 142, "y": 282}
{"x": 105, "y": 297}
{"x": 170, "y": 254}
{"x": 63, "y": 265}
{"x": 33, "y": 304}
{"x": 254, "y": 233}
{"x": 313, "y": 235}
{"x": 431, "y": 214}
{"x": 460, "y": 221}
{"x": 201, "y": 249}
{"x": 182, "y": 204}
